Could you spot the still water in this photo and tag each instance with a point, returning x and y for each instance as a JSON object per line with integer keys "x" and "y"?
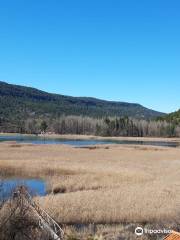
{"x": 81, "y": 143}
{"x": 34, "y": 186}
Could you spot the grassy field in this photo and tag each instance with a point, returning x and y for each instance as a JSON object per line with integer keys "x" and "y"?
{"x": 112, "y": 185}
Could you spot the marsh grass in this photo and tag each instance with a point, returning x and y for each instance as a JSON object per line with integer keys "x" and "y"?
{"x": 114, "y": 231}
{"x": 118, "y": 184}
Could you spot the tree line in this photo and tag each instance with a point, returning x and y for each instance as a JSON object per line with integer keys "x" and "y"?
{"x": 108, "y": 126}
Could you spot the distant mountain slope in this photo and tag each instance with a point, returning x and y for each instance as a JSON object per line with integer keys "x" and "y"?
{"x": 20, "y": 103}
{"x": 172, "y": 117}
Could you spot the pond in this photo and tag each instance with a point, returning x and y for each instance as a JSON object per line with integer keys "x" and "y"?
{"x": 81, "y": 143}
{"x": 34, "y": 186}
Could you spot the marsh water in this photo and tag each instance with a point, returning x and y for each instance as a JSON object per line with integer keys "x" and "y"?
{"x": 34, "y": 186}
{"x": 81, "y": 143}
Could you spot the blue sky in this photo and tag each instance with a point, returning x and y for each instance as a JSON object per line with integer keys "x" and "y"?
{"x": 115, "y": 50}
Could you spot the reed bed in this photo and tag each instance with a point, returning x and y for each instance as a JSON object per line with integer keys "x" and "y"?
{"x": 104, "y": 185}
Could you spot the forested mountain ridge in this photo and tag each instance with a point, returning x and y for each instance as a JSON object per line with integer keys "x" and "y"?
{"x": 25, "y": 101}
{"x": 19, "y": 103}
{"x": 172, "y": 117}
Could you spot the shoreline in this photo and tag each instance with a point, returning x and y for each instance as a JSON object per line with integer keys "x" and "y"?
{"x": 93, "y": 137}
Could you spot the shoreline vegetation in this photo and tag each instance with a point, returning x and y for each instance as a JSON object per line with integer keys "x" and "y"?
{"x": 104, "y": 127}
{"x": 127, "y": 185}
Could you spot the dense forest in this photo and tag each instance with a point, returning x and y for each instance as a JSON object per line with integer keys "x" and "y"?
{"x": 18, "y": 102}
{"x": 28, "y": 110}
{"x": 171, "y": 118}
{"x": 108, "y": 126}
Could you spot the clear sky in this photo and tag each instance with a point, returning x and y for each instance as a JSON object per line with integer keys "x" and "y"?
{"x": 124, "y": 50}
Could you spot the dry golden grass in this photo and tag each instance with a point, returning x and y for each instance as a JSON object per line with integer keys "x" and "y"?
{"x": 119, "y": 184}
{"x": 111, "y": 232}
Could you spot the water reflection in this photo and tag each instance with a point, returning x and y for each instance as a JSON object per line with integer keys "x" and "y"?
{"x": 79, "y": 143}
